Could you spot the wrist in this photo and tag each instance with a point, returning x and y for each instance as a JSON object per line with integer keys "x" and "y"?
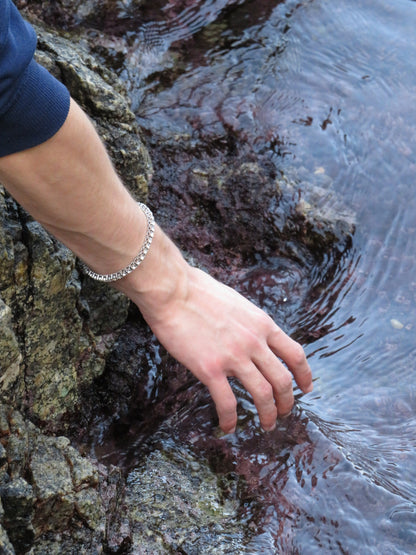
{"x": 160, "y": 281}
{"x": 137, "y": 260}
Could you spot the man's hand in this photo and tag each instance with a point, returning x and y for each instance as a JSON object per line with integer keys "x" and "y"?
{"x": 217, "y": 333}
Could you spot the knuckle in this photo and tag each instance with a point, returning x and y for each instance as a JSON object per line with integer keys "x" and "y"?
{"x": 229, "y": 406}
{"x": 254, "y": 344}
{"x": 261, "y": 324}
{"x": 265, "y": 392}
{"x": 263, "y": 320}
{"x": 298, "y": 355}
{"x": 277, "y": 332}
{"x": 276, "y": 336}
{"x": 285, "y": 383}
{"x": 211, "y": 370}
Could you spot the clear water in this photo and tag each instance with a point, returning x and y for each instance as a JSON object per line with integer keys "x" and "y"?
{"x": 324, "y": 89}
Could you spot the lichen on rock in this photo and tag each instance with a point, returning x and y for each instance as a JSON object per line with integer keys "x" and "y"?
{"x": 57, "y": 326}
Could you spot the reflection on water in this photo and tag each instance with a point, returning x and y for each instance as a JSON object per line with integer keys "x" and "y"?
{"x": 326, "y": 91}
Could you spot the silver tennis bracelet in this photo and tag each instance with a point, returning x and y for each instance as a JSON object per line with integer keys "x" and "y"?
{"x": 137, "y": 260}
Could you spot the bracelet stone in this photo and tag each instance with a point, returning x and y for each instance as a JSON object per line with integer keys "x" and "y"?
{"x": 135, "y": 263}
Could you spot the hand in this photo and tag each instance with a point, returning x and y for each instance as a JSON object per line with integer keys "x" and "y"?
{"x": 217, "y": 333}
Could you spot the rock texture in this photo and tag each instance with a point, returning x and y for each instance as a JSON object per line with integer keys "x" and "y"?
{"x": 46, "y": 487}
{"x": 186, "y": 512}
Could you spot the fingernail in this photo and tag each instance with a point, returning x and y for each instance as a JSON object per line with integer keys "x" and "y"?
{"x": 308, "y": 389}
{"x": 269, "y": 428}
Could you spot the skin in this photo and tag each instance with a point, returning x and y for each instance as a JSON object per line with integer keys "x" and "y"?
{"x": 69, "y": 185}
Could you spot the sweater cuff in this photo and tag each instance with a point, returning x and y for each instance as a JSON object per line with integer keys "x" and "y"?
{"x": 38, "y": 111}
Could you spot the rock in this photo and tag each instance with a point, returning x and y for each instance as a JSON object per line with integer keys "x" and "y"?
{"x": 175, "y": 504}
{"x": 53, "y": 327}
{"x": 396, "y": 324}
{"x": 102, "y": 96}
{"x": 57, "y": 327}
{"x": 6, "y": 547}
{"x": 105, "y": 310}
{"x": 18, "y": 502}
{"x": 3, "y": 465}
{"x": 83, "y": 472}
{"x": 89, "y": 508}
{"x": 64, "y": 14}
{"x": 47, "y": 348}
{"x": 238, "y": 204}
{"x": 50, "y": 494}
{"x": 52, "y": 486}
{"x": 11, "y": 355}
{"x": 13, "y": 294}
{"x": 17, "y": 444}
{"x": 14, "y": 255}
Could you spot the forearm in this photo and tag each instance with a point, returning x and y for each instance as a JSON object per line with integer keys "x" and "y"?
{"x": 68, "y": 184}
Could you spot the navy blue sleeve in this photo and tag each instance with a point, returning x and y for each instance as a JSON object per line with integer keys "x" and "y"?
{"x": 33, "y": 104}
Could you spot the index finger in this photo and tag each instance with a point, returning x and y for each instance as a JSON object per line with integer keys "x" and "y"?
{"x": 292, "y": 353}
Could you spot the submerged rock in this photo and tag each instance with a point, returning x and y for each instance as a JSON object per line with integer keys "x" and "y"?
{"x": 233, "y": 208}
{"x": 69, "y": 14}
{"x": 257, "y": 212}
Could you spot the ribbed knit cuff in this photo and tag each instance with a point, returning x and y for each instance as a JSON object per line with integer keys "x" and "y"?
{"x": 37, "y": 112}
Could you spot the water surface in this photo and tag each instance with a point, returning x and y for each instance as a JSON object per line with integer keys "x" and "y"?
{"x": 326, "y": 92}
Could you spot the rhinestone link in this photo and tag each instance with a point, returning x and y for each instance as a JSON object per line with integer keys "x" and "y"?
{"x": 136, "y": 261}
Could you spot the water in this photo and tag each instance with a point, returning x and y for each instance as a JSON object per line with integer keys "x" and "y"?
{"x": 326, "y": 91}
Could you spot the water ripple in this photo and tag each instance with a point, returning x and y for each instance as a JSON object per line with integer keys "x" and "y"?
{"x": 325, "y": 91}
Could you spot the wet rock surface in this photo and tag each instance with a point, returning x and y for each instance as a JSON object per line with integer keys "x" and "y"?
{"x": 237, "y": 205}
{"x": 66, "y": 369}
